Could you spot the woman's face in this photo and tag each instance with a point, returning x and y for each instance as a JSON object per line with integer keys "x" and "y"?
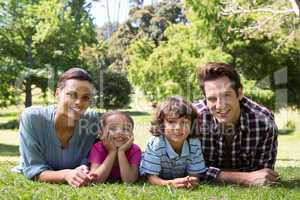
{"x": 119, "y": 129}
{"x": 74, "y": 98}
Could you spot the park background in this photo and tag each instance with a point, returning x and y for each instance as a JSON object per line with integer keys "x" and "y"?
{"x": 138, "y": 60}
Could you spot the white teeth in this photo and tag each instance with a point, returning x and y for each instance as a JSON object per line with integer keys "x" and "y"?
{"x": 76, "y": 109}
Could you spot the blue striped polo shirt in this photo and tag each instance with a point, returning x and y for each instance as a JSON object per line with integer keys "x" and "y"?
{"x": 40, "y": 148}
{"x": 160, "y": 159}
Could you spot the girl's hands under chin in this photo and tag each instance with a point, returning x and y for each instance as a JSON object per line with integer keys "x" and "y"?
{"x": 107, "y": 142}
{"x": 124, "y": 147}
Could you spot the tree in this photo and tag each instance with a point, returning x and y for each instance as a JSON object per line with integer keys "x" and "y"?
{"x": 38, "y": 37}
{"x": 148, "y": 21}
{"x": 114, "y": 90}
{"x": 215, "y": 32}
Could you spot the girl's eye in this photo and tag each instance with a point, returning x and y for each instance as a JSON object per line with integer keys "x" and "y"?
{"x": 112, "y": 128}
{"x": 127, "y": 130}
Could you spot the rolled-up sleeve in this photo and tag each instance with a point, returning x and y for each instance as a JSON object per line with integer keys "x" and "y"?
{"x": 196, "y": 163}
{"x": 31, "y": 150}
{"x": 150, "y": 164}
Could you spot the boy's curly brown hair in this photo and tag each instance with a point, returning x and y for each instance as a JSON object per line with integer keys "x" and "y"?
{"x": 173, "y": 108}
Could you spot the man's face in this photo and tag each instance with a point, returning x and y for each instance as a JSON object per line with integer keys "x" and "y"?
{"x": 222, "y": 100}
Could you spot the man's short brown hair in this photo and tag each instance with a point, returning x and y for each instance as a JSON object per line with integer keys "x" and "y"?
{"x": 215, "y": 70}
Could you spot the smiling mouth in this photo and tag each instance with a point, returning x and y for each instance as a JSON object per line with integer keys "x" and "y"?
{"x": 223, "y": 113}
{"x": 76, "y": 110}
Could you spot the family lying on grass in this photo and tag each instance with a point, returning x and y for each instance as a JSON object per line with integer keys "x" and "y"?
{"x": 224, "y": 138}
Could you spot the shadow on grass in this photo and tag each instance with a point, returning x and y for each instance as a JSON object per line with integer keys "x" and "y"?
{"x": 12, "y": 124}
{"x": 9, "y": 150}
{"x": 285, "y": 131}
{"x": 9, "y": 114}
{"x": 290, "y": 184}
{"x": 137, "y": 113}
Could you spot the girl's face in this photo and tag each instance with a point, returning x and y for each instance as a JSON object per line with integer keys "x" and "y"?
{"x": 74, "y": 98}
{"x": 177, "y": 130}
{"x": 119, "y": 129}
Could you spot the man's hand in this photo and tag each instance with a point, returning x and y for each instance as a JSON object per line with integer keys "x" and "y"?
{"x": 261, "y": 177}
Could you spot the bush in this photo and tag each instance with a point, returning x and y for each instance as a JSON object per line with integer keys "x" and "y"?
{"x": 113, "y": 91}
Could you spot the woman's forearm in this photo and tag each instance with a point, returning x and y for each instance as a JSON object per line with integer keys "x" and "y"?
{"x": 50, "y": 176}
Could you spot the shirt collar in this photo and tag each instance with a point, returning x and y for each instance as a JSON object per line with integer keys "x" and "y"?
{"x": 185, "y": 151}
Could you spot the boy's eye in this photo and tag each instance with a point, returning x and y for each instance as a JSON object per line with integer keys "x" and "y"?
{"x": 72, "y": 95}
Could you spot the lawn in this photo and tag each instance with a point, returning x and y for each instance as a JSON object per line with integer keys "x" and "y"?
{"x": 15, "y": 186}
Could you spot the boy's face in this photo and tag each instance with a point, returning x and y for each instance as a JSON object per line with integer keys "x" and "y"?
{"x": 222, "y": 100}
{"x": 177, "y": 130}
{"x": 119, "y": 129}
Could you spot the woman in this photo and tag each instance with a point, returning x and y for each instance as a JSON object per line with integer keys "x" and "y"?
{"x": 55, "y": 140}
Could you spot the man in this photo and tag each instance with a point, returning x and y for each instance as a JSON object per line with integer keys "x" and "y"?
{"x": 238, "y": 136}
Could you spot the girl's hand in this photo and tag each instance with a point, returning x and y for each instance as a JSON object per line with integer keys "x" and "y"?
{"x": 126, "y": 145}
{"x": 107, "y": 142}
{"x": 93, "y": 177}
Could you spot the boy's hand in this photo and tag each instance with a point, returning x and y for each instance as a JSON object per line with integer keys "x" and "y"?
{"x": 180, "y": 182}
{"x": 127, "y": 145}
{"x": 192, "y": 181}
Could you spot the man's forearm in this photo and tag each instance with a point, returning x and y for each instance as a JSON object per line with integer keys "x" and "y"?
{"x": 233, "y": 177}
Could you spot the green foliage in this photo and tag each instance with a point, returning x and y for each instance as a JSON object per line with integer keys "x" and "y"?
{"x": 149, "y": 22}
{"x": 42, "y": 36}
{"x": 114, "y": 90}
{"x": 216, "y": 32}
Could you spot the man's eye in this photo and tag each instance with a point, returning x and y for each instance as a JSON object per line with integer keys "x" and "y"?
{"x": 211, "y": 99}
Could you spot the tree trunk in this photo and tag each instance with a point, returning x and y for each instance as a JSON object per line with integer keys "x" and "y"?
{"x": 28, "y": 97}
{"x": 28, "y": 90}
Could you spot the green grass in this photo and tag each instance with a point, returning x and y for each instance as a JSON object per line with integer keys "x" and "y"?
{"x": 15, "y": 186}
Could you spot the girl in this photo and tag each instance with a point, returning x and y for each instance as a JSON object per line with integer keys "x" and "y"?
{"x": 115, "y": 157}
{"x": 172, "y": 156}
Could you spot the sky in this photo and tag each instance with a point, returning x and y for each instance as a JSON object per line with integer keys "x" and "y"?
{"x": 99, "y": 11}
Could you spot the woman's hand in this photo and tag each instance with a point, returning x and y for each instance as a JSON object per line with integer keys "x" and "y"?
{"x": 77, "y": 177}
{"x": 126, "y": 145}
